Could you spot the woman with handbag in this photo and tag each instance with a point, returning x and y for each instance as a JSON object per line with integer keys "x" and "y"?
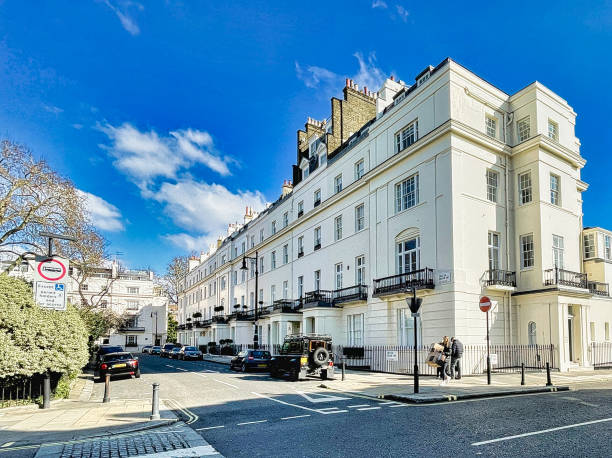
{"x": 446, "y": 353}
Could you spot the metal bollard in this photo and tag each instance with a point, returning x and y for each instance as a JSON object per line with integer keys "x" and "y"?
{"x": 343, "y": 370}
{"x": 155, "y": 403}
{"x": 548, "y": 380}
{"x": 106, "y": 389}
{"x": 47, "y": 391}
{"x": 522, "y": 373}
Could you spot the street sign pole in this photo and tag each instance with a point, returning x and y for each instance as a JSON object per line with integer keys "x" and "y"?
{"x": 414, "y": 304}
{"x": 488, "y": 353}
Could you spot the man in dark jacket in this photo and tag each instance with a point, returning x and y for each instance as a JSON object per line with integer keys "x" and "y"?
{"x": 456, "y": 354}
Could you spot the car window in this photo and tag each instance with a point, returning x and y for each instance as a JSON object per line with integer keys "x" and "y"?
{"x": 105, "y": 350}
{"x": 118, "y": 357}
{"x": 261, "y": 354}
{"x": 285, "y": 348}
{"x": 191, "y": 349}
{"x": 295, "y": 347}
{"x": 242, "y": 354}
{"x": 157, "y": 348}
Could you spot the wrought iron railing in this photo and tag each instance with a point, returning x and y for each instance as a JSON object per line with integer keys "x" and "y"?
{"x": 318, "y": 298}
{"x": 501, "y": 277}
{"x": 352, "y": 293}
{"x": 599, "y": 289}
{"x": 418, "y": 279}
{"x": 286, "y": 305}
{"x": 317, "y": 246}
{"x": 564, "y": 277}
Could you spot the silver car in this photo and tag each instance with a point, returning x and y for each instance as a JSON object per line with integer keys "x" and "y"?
{"x": 188, "y": 352}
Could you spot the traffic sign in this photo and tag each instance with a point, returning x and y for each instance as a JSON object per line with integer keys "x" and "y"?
{"x": 50, "y": 295}
{"x": 52, "y": 269}
{"x": 392, "y": 355}
{"x": 485, "y": 304}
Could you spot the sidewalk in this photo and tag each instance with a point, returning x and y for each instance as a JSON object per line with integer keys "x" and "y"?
{"x": 219, "y": 359}
{"x": 400, "y": 387}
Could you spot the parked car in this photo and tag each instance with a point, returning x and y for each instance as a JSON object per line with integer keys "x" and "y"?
{"x": 174, "y": 353}
{"x": 155, "y": 350}
{"x": 147, "y": 349}
{"x": 190, "y": 353}
{"x": 103, "y": 350}
{"x": 118, "y": 363}
{"x": 251, "y": 359}
{"x": 302, "y": 355}
{"x": 166, "y": 349}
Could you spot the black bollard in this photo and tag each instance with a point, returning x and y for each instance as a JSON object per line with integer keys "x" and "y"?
{"x": 548, "y": 380}
{"x": 47, "y": 391}
{"x": 155, "y": 403}
{"x": 522, "y": 373}
{"x": 343, "y": 370}
{"x": 106, "y": 388}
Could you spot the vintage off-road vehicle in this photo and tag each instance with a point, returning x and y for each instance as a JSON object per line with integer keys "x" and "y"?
{"x": 302, "y": 355}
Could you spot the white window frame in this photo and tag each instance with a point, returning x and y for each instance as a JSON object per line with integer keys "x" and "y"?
{"x": 607, "y": 247}
{"x": 317, "y": 237}
{"x": 553, "y": 130}
{"x": 316, "y": 280}
{"x": 360, "y": 270}
{"x": 338, "y": 228}
{"x": 494, "y": 250}
{"x": 525, "y": 187}
{"x": 338, "y": 184}
{"x": 532, "y": 333}
{"x": 273, "y": 260}
{"x": 407, "y": 193}
{"x": 491, "y": 126}
{"x": 589, "y": 248}
{"x": 285, "y": 289}
{"x": 523, "y": 128}
{"x": 273, "y": 227}
{"x": 338, "y": 272}
{"x": 492, "y": 185}
{"x": 355, "y": 329}
{"x": 405, "y": 328}
{"x": 301, "y": 244}
{"x": 285, "y": 254}
{"x": 300, "y": 286}
{"x": 359, "y": 217}
{"x": 300, "y": 207}
{"x": 316, "y": 199}
{"x": 558, "y": 249}
{"x": 285, "y": 219}
{"x": 555, "y": 189}
{"x": 407, "y": 136}
{"x": 359, "y": 169}
{"x": 527, "y": 250}
{"x": 402, "y": 254}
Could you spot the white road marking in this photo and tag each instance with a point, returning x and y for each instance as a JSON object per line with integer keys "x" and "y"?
{"x": 358, "y": 405}
{"x": 328, "y": 408}
{"x": 8, "y": 444}
{"x": 387, "y": 403}
{"x": 295, "y": 416}
{"x": 333, "y": 411}
{"x": 543, "y": 431}
{"x": 320, "y": 397}
{"x": 181, "y": 369}
{"x": 399, "y": 405}
{"x": 370, "y": 408}
{"x": 168, "y": 365}
{"x": 225, "y": 383}
{"x": 286, "y": 403}
{"x": 191, "y": 417}
{"x": 251, "y": 422}
{"x": 580, "y": 401}
{"x": 210, "y": 427}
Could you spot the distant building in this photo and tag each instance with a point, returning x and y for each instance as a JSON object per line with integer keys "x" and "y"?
{"x": 132, "y": 293}
{"x": 447, "y": 185}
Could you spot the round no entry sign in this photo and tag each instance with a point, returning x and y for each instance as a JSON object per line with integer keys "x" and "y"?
{"x": 51, "y": 270}
{"x": 485, "y": 304}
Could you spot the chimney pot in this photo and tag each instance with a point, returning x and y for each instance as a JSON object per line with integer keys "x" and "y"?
{"x": 392, "y": 78}
{"x": 347, "y": 82}
{"x": 365, "y": 90}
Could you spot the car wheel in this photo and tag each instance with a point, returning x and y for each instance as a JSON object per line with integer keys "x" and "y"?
{"x": 320, "y": 356}
{"x": 244, "y": 367}
{"x": 295, "y": 375}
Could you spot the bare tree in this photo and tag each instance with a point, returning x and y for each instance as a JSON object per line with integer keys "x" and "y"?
{"x": 176, "y": 270}
{"x": 33, "y": 198}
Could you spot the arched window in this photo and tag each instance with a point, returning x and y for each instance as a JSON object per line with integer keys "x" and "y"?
{"x": 531, "y": 333}
{"x": 407, "y": 251}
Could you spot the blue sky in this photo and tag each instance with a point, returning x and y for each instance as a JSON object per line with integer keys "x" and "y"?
{"x": 174, "y": 115}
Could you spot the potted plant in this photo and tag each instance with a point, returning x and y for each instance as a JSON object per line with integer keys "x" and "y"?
{"x": 197, "y": 315}
{"x": 236, "y": 306}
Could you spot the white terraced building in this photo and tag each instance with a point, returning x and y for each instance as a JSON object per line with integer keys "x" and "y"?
{"x": 448, "y": 185}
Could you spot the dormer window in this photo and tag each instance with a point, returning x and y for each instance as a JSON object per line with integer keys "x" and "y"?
{"x": 423, "y": 78}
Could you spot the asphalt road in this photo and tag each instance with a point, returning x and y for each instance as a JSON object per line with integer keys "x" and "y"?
{"x": 255, "y": 415}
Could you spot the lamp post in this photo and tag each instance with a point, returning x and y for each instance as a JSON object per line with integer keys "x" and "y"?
{"x": 414, "y": 304}
{"x": 244, "y": 267}
{"x": 155, "y": 338}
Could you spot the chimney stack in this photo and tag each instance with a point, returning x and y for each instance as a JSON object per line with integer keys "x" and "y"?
{"x": 287, "y": 188}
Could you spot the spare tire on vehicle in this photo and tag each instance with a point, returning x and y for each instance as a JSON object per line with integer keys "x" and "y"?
{"x": 320, "y": 356}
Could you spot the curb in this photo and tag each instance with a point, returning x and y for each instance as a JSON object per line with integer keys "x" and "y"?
{"x": 411, "y": 399}
{"x": 217, "y": 362}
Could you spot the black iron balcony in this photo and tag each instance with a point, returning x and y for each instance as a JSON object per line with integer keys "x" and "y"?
{"x": 350, "y": 294}
{"x": 317, "y": 246}
{"x": 189, "y": 325}
{"x": 286, "y": 306}
{"x": 220, "y": 319}
{"x": 265, "y": 310}
{"x": 130, "y": 328}
{"x": 599, "y": 289}
{"x": 206, "y": 323}
{"x": 181, "y": 327}
{"x": 394, "y": 284}
{"x": 300, "y": 213}
{"x": 317, "y": 203}
{"x": 564, "y": 277}
{"x": 300, "y": 253}
{"x": 501, "y": 278}
{"x": 318, "y": 298}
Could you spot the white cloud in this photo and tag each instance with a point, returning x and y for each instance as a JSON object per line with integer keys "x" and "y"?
{"x": 379, "y": 4}
{"x": 103, "y": 215}
{"x": 369, "y": 74}
{"x": 189, "y": 242}
{"x": 402, "y": 12}
{"x": 53, "y": 109}
{"x": 122, "y": 13}
{"x": 77, "y": 126}
{"x": 145, "y": 156}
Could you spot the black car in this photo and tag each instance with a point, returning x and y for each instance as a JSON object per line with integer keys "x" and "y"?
{"x": 117, "y": 364}
{"x": 174, "y": 353}
{"x": 166, "y": 349}
{"x": 251, "y": 359}
{"x": 155, "y": 350}
{"x": 302, "y": 355}
{"x": 189, "y": 352}
{"x": 101, "y": 351}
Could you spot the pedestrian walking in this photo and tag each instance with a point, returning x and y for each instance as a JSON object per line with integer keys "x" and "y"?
{"x": 456, "y": 354}
{"x": 446, "y": 352}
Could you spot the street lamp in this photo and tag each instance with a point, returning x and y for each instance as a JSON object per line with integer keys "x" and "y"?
{"x": 244, "y": 267}
{"x": 414, "y": 304}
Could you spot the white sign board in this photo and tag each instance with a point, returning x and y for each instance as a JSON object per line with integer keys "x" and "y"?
{"x": 444, "y": 277}
{"x": 391, "y": 355}
{"x": 493, "y": 359}
{"x": 50, "y": 295}
{"x": 54, "y": 269}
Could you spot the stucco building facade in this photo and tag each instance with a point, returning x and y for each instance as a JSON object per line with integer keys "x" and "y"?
{"x": 448, "y": 186}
